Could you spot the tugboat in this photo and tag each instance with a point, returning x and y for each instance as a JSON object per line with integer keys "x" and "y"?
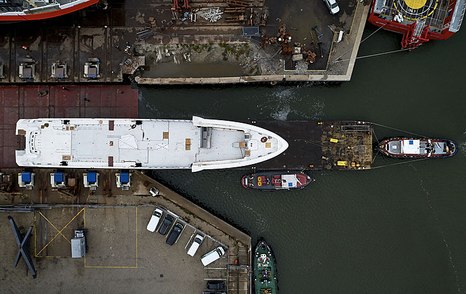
{"x": 265, "y": 270}
{"x": 276, "y": 181}
{"x": 417, "y": 148}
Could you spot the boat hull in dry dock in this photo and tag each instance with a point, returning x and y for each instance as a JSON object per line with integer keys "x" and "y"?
{"x": 196, "y": 144}
{"x": 402, "y": 147}
{"x": 275, "y": 181}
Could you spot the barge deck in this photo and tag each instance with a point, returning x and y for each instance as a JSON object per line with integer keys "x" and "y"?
{"x": 321, "y": 145}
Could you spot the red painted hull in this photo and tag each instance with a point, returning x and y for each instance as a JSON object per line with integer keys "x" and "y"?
{"x": 48, "y": 14}
{"x": 407, "y": 30}
{"x": 273, "y": 181}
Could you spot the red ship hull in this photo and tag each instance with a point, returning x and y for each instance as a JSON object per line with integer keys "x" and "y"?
{"x": 415, "y": 31}
{"x": 46, "y": 14}
{"x": 273, "y": 181}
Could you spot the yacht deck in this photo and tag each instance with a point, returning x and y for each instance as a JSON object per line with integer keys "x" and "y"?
{"x": 144, "y": 144}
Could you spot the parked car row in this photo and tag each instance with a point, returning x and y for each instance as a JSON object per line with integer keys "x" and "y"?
{"x": 163, "y": 218}
{"x": 166, "y": 223}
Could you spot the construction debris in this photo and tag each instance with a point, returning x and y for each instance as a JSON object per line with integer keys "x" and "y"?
{"x": 210, "y": 14}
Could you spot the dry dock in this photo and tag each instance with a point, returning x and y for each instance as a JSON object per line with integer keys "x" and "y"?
{"x": 120, "y": 249}
{"x": 195, "y": 42}
{"x": 34, "y": 101}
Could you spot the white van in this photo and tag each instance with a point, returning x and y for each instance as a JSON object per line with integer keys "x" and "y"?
{"x": 195, "y": 245}
{"x": 332, "y": 6}
{"x": 154, "y": 219}
{"x": 212, "y": 256}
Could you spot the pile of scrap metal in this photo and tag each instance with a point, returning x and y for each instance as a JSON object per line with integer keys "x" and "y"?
{"x": 212, "y": 14}
{"x": 246, "y": 12}
{"x": 302, "y": 53}
{"x": 283, "y": 38}
{"x": 297, "y": 51}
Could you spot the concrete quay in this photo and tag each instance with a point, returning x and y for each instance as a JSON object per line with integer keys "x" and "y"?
{"x": 150, "y": 43}
{"x": 122, "y": 255}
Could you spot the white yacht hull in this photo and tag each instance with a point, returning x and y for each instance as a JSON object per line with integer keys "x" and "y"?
{"x": 196, "y": 144}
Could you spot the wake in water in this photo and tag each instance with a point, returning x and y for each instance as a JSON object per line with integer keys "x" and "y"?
{"x": 288, "y": 101}
{"x": 442, "y": 233}
{"x": 462, "y": 147}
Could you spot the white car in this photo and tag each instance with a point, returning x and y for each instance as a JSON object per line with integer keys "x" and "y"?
{"x": 154, "y": 220}
{"x": 332, "y": 6}
{"x": 154, "y": 191}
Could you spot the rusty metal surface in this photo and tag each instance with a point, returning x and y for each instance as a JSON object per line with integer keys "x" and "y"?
{"x": 29, "y": 101}
{"x": 72, "y": 46}
{"x": 150, "y": 39}
{"x": 328, "y": 145}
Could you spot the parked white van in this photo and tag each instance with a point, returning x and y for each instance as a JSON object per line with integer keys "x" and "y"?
{"x": 198, "y": 239}
{"x": 332, "y": 6}
{"x": 212, "y": 256}
{"x": 154, "y": 219}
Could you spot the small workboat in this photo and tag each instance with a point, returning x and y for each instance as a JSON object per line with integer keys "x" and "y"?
{"x": 402, "y": 147}
{"x": 276, "y": 181}
{"x": 265, "y": 270}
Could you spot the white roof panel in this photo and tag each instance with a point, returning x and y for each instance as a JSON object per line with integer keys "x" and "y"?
{"x": 410, "y": 146}
{"x": 289, "y": 181}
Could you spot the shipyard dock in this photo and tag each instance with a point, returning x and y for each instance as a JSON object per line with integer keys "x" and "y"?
{"x": 34, "y": 101}
{"x": 120, "y": 248}
{"x": 197, "y": 42}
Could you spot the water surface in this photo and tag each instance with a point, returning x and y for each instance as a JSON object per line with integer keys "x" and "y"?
{"x": 397, "y": 229}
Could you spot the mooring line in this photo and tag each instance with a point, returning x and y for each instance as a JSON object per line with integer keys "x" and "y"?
{"x": 399, "y": 163}
{"x": 400, "y": 130}
{"x": 375, "y": 135}
{"x": 338, "y": 59}
{"x": 373, "y": 33}
{"x": 373, "y": 55}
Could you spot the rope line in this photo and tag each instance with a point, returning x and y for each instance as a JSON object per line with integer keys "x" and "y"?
{"x": 373, "y": 33}
{"x": 373, "y": 55}
{"x": 399, "y": 130}
{"x": 338, "y": 59}
{"x": 399, "y": 163}
{"x": 383, "y": 53}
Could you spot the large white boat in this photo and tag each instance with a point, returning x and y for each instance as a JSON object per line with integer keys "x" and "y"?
{"x": 198, "y": 144}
